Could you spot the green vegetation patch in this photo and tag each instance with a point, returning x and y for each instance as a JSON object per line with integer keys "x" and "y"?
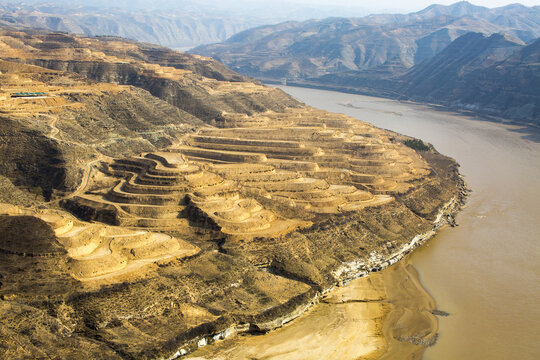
{"x": 416, "y": 144}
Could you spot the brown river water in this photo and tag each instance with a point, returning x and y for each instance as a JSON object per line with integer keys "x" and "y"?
{"x": 485, "y": 273}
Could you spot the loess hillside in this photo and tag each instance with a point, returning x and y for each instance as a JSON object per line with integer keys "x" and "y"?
{"x": 154, "y": 201}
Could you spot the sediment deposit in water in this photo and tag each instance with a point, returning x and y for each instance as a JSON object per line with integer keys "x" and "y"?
{"x": 157, "y": 201}
{"x": 387, "y": 315}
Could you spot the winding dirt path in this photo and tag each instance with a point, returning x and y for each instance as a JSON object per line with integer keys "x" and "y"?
{"x": 87, "y": 169}
{"x": 54, "y": 130}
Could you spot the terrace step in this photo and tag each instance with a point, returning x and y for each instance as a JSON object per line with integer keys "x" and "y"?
{"x": 118, "y": 195}
{"x": 151, "y": 222}
{"x": 229, "y": 156}
{"x": 152, "y": 211}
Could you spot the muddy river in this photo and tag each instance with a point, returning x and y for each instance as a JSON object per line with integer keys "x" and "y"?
{"x": 485, "y": 273}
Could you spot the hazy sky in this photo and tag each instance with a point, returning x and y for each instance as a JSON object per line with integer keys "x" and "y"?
{"x": 367, "y": 6}
{"x": 412, "y": 5}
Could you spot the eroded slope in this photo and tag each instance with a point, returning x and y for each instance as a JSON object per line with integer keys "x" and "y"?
{"x": 183, "y": 207}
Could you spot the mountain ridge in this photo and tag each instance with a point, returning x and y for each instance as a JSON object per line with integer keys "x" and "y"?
{"x": 490, "y": 75}
{"x": 397, "y": 56}
{"x": 317, "y": 47}
{"x": 507, "y": 88}
{"x": 178, "y": 24}
{"x": 178, "y": 30}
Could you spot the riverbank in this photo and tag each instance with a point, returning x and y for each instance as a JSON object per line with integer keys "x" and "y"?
{"x": 387, "y": 315}
{"x": 396, "y": 317}
{"x": 488, "y": 114}
{"x": 484, "y": 272}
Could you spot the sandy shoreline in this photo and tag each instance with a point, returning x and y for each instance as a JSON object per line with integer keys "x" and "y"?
{"x": 474, "y": 271}
{"x": 385, "y": 315}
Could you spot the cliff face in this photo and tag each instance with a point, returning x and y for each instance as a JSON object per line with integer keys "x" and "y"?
{"x": 300, "y": 50}
{"x": 187, "y": 203}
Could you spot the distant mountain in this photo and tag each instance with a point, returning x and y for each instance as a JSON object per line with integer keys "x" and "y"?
{"x": 488, "y": 74}
{"x": 389, "y": 43}
{"x": 493, "y": 75}
{"x": 180, "y": 29}
{"x": 179, "y": 24}
{"x": 436, "y": 77}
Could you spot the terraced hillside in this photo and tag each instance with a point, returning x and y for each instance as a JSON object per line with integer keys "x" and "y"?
{"x": 153, "y": 204}
{"x": 198, "y": 85}
{"x": 95, "y": 251}
{"x": 163, "y": 192}
{"x": 303, "y": 162}
{"x": 70, "y": 123}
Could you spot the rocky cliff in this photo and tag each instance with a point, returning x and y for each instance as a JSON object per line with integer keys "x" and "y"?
{"x": 160, "y": 202}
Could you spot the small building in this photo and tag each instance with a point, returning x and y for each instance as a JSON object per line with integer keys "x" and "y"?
{"x": 27, "y": 94}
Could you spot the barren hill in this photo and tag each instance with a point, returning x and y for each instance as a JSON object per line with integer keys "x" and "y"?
{"x": 490, "y": 75}
{"x": 300, "y": 50}
{"x": 158, "y": 200}
{"x": 179, "y": 24}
